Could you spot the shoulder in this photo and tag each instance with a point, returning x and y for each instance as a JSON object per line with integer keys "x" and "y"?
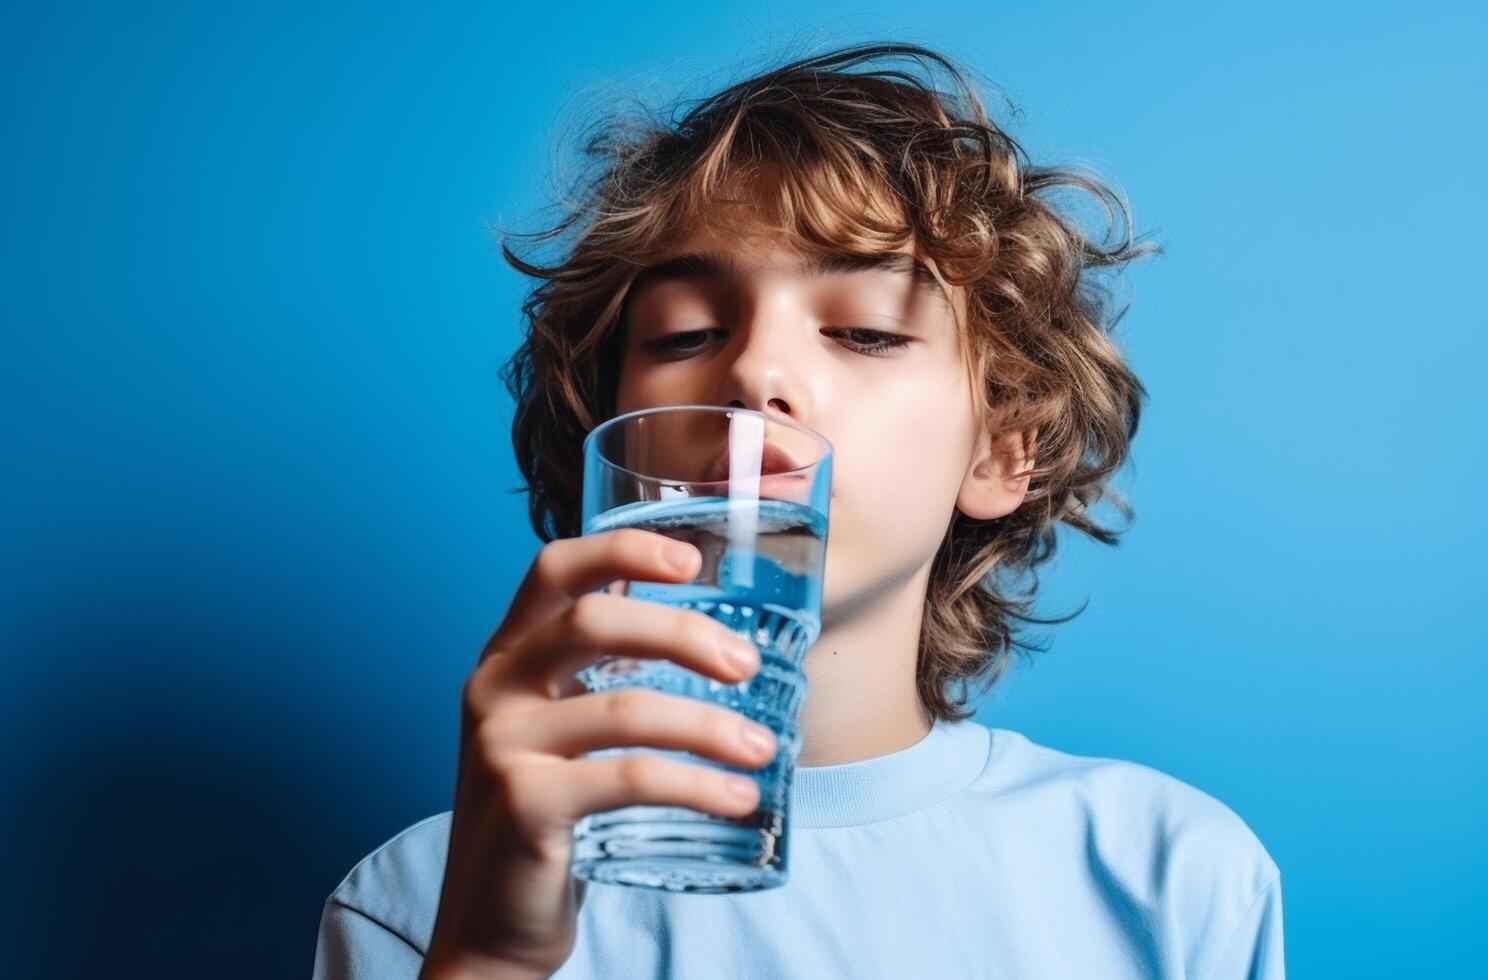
{"x": 397, "y": 885}
{"x": 1169, "y": 843}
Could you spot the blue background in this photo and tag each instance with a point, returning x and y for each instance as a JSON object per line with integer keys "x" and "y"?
{"x": 257, "y": 462}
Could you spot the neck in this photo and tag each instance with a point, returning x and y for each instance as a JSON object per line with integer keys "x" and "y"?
{"x": 862, "y": 700}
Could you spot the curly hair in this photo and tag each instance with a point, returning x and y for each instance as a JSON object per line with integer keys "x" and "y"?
{"x": 856, "y": 152}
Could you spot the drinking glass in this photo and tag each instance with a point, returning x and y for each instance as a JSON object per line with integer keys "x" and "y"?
{"x": 752, "y": 492}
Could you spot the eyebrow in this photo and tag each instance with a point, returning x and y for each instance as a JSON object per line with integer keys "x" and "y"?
{"x": 696, "y": 266}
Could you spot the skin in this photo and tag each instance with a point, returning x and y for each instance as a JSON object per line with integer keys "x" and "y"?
{"x": 910, "y": 450}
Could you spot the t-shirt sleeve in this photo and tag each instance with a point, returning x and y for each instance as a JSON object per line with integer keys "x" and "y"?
{"x": 354, "y": 946}
{"x": 1254, "y": 950}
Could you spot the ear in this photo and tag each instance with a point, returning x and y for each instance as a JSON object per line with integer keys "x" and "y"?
{"x": 997, "y": 479}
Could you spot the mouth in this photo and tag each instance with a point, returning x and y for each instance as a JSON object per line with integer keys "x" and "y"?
{"x": 775, "y": 459}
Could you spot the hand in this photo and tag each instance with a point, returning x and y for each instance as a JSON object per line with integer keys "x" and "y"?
{"x": 509, "y": 903}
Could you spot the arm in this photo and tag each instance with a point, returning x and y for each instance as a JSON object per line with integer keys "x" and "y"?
{"x": 353, "y": 946}
{"x": 1254, "y": 950}
{"x": 507, "y": 907}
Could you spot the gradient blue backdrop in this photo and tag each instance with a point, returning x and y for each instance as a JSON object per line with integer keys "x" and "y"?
{"x": 257, "y": 519}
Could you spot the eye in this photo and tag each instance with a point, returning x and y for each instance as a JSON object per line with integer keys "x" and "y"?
{"x": 861, "y": 339}
{"x": 686, "y": 342}
{"x": 871, "y": 341}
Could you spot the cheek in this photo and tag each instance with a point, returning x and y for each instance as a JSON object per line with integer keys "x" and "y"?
{"x": 906, "y": 451}
{"x": 630, "y": 392}
{"x": 648, "y": 388}
{"x": 897, "y": 474}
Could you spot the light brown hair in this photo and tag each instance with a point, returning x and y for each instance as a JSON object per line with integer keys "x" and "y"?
{"x": 858, "y": 150}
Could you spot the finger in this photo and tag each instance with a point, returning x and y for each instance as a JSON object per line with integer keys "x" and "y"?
{"x": 640, "y": 716}
{"x": 640, "y": 777}
{"x": 570, "y": 567}
{"x": 599, "y": 623}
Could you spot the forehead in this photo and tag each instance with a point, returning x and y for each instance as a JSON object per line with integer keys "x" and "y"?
{"x": 734, "y": 253}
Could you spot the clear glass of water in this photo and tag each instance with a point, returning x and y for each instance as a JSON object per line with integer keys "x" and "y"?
{"x": 752, "y": 492}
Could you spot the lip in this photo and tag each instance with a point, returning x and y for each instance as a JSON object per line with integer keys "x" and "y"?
{"x": 775, "y": 460}
{"x": 782, "y": 485}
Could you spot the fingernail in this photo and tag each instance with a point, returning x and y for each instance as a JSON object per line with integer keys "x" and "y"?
{"x": 682, "y": 557}
{"x": 740, "y": 652}
{"x": 758, "y": 737}
{"x": 741, "y": 786}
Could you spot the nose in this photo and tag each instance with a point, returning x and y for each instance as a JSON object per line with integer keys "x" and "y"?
{"x": 766, "y": 374}
{"x": 777, "y": 404}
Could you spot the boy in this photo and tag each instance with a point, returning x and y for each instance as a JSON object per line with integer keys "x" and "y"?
{"x": 869, "y": 256}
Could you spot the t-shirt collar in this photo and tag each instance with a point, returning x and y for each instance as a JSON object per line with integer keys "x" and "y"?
{"x": 948, "y": 759}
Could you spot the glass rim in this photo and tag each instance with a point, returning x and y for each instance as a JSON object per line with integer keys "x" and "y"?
{"x": 806, "y": 430}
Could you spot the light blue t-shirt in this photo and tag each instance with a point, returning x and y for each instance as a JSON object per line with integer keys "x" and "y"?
{"x": 975, "y": 852}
